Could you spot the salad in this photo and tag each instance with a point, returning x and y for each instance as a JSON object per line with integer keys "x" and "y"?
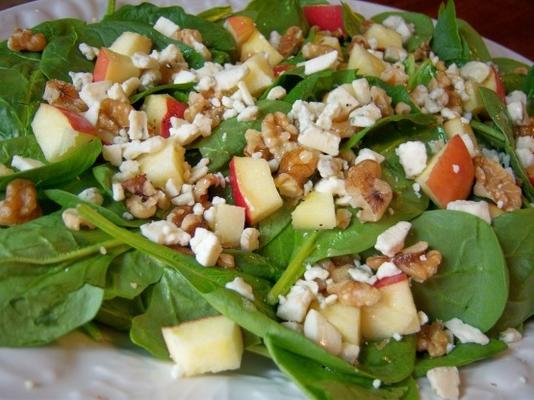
{"x": 351, "y": 198}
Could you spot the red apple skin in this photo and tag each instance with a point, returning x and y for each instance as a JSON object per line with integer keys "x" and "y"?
{"x": 325, "y": 17}
{"x": 445, "y": 184}
{"x": 280, "y": 69}
{"x": 101, "y": 65}
{"x": 390, "y": 280}
{"x": 174, "y": 109}
{"x": 241, "y": 27}
{"x": 239, "y": 200}
{"x": 77, "y": 121}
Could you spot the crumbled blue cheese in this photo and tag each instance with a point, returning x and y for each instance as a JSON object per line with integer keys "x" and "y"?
{"x": 391, "y": 241}
{"x": 92, "y": 195}
{"x": 475, "y": 70}
{"x": 387, "y": 270}
{"x": 184, "y": 76}
{"x": 412, "y": 157}
{"x": 144, "y": 61}
{"x": 250, "y": 239}
{"x": 477, "y": 208}
{"x": 510, "y": 335}
{"x": 230, "y": 76}
{"x": 24, "y": 163}
{"x": 466, "y": 333}
{"x": 365, "y": 116}
{"x": 321, "y": 140}
{"x": 80, "y": 79}
{"x": 399, "y": 25}
{"x": 240, "y": 286}
{"x": 130, "y": 85}
{"x": 149, "y": 78}
{"x": 315, "y": 272}
{"x": 206, "y": 247}
{"x": 276, "y": 93}
{"x": 362, "y": 91}
{"x": 73, "y": 221}
{"x": 525, "y": 150}
{"x": 89, "y": 52}
{"x": 362, "y": 273}
{"x": 294, "y": 306}
{"x": 164, "y": 232}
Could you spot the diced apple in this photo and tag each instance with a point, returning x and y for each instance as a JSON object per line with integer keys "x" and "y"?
{"x": 366, "y": 63}
{"x": 59, "y": 132}
{"x": 260, "y": 74}
{"x": 383, "y": 36}
{"x": 253, "y": 188}
{"x": 160, "y": 108}
{"x": 316, "y": 211}
{"x": 210, "y": 344}
{"x": 241, "y": 27}
{"x": 327, "y": 17}
{"x": 450, "y": 174}
{"x": 455, "y": 127}
{"x": 129, "y": 43}
{"x": 168, "y": 163}
{"x": 114, "y": 67}
{"x": 346, "y": 319}
{"x": 473, "y": 104}
{"x": 229, "y": 224}
{"x": 495, "y": 83}
{"x": 395, "y": 313}
{"x": 257, "y": 44}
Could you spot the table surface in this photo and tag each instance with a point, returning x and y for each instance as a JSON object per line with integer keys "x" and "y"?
{"x": 508, "y": 22}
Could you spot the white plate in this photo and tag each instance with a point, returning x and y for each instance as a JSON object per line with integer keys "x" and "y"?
{"x": 78, "y": 368}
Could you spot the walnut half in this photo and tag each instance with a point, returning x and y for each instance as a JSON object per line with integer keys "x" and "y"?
{"x": 20, "y": 204}
{"x": 433, "y": 339}
{"x": 26, "y": 40}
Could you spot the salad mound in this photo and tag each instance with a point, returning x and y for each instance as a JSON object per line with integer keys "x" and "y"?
{"x": 350, "y": 197}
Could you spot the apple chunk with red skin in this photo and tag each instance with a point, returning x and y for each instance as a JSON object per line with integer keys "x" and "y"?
{"x": 114, "y": 67}
{"x": 59, "y": 131}
{"x": 160, "y": 108}
{"x": 395, "y": 312}
{"x": 253, "y": 188}
{"x": 240, "y": 27}
{"x": 450, "y": 174}
{"x": 328, "y": 17}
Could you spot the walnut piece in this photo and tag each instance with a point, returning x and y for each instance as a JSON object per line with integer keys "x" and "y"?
{"x": 295, "y": 168}
{"x": 369, "y": 193}
{"x": 203, "y": 185}
{"x": 142, "y": 208}
{"x": 62, "y": 94}
{"x": 226, "y": 260}
{"x": 433, "y": 339}
{"x": 382, "y": 100}
{"x": 199, "y": 103}
{"x": 417, "y": 264}
{"x": 113, "y": 116}
{"x": 20, "y": 204}
{"x": 177, "y": 214}
{"x": 26, "y": 40}
{"x": 191, "y": 222}
{"x": 291, "y": 41}
{"x": 255, "y": 144}
{"x": 279, "y": 135}
{"x": 494, "y": 183}
{"x": 356, "y": 294}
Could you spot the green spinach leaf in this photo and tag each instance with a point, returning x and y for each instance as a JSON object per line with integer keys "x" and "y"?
{"x": 216, "y": 14}
{"x": 447, "y": 43}
{"x": 352, "y": 21}
{"x": 424, "y": 28}
{"x": 477, "y": 47}
{"x": 275, "y": 15}
{"x": 472, "y": 280}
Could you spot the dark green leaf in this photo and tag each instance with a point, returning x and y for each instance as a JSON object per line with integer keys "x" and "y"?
{"x": 271, "y": 226}
{"x": 216, "y": 14}
{"x": 472, "y": 280}
{"x": 275, "y": 15}
{"x": 447, "y": 43}
{"x": 476, "y": 44}
{"x": 352, "y": 21}
{"x": 424, "y": 28}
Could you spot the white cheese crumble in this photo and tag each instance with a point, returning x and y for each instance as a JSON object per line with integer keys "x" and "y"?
{"x": 92, "y": 195}
{"x": 476, "y": 71}
{"x": 89, "y": 52}
{"x": 391, "y": 241}
{"x": 466, "y": 333}
{"x": 166, "y": 27}
{"x": 294, "y": 306}
{"x": 95, "y": 93}
{"x": 276, "y": 93}
{"x": 365, "y": 116}
{"x": 510, "y": 335}
{"x": 24, "y": 163}
{"x": 320, "y": 63}
{"x": 368, "y": 154}
{"x": 250, "y": 239}
{"x": 240, "y": 286}
{"x": 387, "y": 270}
{"x": 445, "y": 381}
{"x": 477, "y": 208}
{"x": 164, "y": 232}
{"x": 206, "y": 247}
{"x": 413, "y": 158}
{"x": 80, "y": 79}
{"x": 321, "y": 140}
{"x": 315, "y": 272}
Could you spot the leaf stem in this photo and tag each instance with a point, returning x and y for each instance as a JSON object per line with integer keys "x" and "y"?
{"x": 111, "y": 7}
{"x": 488, "y": 132}
{"x": 294, "y": 270}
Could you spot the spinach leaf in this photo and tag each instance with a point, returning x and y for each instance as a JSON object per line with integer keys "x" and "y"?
{"x": 228, "y": 139}
{"x": 275, "y": 15}
{"x": 213, "y": 35}
{"x": 463, "y": 354}
{"x": 515, "y": 231}
{"x": 389, "y": 360}
{"x": 170, "y": 301}
{"x": 352, "y": 21}
{"x": 503, "y": 136}
{"x": 528, "y": 88}
{"x": 69, "y": 200}
{"x": 271, "y": 226}
{"x": 209, "y": 283}
{"x": 387, "y": 122}
{"x": 103, "y": 174}
{"x": 419, "y": 75}
{"x": 119, "y": 312}
{"x": 171, "y": 87}
{"x": 512, "y": 73}
{"x": 130, "y": 274}
{"x": 472, "y": 280}
{"x": 322, "y": 383}
{"x": 304, "y": 3}
{"x": 397, "y": 93}
{"x": 255, "y": 264}
{"x": 26, "y": 146}
{"x": 38, "y": 308}
{"x": 424, "y": 28}
{"x": 280, "y": 249}
{"x": 314, "y": 86}
{"x": 62, "y": 171}
{"x": 447, "y": 43}
{"x": 216, "y": 14}
{"x": 477, "y": 47}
